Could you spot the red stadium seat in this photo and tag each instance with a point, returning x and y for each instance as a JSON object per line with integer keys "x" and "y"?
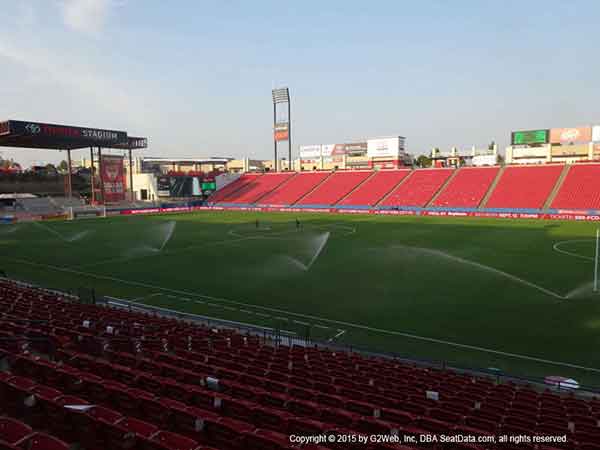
{"x": 294, "y": 189}
{"x": 524, "y": 186}
{"x": 375, "y": 188}
{"x": 467, "y": 188}
{"x": 332, "y": 190}
{"x": 13, "y": 431}
{"x": 580, "y": 188}
{"x": 418, "y": 188}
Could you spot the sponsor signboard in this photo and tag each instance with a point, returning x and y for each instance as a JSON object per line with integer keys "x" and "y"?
{"x": 163, "y": 186}
{"x": 391, "y": 147}
{"x": 356, "y": 149}
{"x": 209, "y": 186}
{"x": 310, "y": 152}
{"x": 530, "y": 137}
{"x": 327, "y": 149}
{"x": 485, "y": 160}
{"x": 281, "y": 131}
{"x": 568, "y": 135}
{"x": 113, "y": 178}
{"x": 337, "y": 153}
{"x": 572, "y": 215}
{"x": 69, "y": 133}
{"x": 570, "y": 150}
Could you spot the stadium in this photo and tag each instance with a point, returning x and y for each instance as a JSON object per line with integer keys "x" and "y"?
{"x": 361, "y": 293}
{"x": 417, "y": 304}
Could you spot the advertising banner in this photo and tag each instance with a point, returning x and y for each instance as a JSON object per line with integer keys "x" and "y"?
{"x": 113, "y": 178}
{"x": 310, "y": 152}
{"x": 529, "y": 137}
{"x": 485, "y": 160}
{"x": 385, "y": 212}
{"x": 281, "y": 131}
{"x": 570, "y": 150}
{"x": 327, "y": 150}
{"x": 596, "y": 133}
{"x": 356, "y": 148}
{"x": 385, "y": 147}
{"x": 163, "y": 186}
{"x": 67, "y": 133}
{"x": 337, "y": 152}
{"x": 568, "y": 135}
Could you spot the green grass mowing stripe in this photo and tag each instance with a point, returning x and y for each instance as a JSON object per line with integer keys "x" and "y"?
{"x": 337, "y": 322}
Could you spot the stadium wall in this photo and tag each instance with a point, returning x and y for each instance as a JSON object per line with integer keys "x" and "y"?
{"x": 552, "y": 214}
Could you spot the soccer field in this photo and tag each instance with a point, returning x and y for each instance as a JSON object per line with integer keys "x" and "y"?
{"x": 513, "y": 295}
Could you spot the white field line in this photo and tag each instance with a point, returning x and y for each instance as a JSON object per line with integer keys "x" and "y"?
{"x": 310, "y": 317}
{"x": 140, "y": 299}
{"x": 556, "y": 247}
{"x": 338, "y": 335}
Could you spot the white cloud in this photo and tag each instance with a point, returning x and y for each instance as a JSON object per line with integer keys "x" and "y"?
{"x": 87, "y": 16}
{"x": 101, "y": 93}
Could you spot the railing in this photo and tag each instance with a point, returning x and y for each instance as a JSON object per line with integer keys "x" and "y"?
{"x": 279, "y": 337}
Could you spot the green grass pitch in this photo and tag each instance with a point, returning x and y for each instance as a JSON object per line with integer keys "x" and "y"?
{"x": 514, "y": 295}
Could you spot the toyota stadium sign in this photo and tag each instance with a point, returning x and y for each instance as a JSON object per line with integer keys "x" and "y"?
{"x": 529, "y": 137}
{"x": 95, "y": 135}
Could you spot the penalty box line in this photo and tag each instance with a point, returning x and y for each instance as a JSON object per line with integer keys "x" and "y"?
{"x": 311, "y": 317}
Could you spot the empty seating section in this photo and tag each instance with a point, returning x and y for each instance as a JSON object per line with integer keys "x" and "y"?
{"x": 375, "y": 188}
{"x": 580, "y": 188}
{"x": 467, "y": 188}
{"x": 258, "y": 187}
{"x": 419, "y": 188}
{"x": 335, "y": 187}
{"x": 222, "y": 195}
{"x": 163, "y": 384}
{"x": 524, "y": 187}
{"x": 294, "y": 189}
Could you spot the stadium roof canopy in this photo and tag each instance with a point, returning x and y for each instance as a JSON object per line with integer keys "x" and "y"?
{"x": 23, "y": 134}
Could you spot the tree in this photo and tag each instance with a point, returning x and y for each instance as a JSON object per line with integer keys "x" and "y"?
{"x": 492, "y": 145}
{"x": 423, "y": 161}
{"x": 63, "y": 166}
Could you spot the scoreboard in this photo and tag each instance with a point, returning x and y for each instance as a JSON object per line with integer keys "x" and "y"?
{"x": 530, "y": 137}
{"x": 184, "y": 186}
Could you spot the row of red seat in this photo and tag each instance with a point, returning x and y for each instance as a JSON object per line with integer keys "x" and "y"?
{"x": 517, "y": 187}
{"x": 160, "y": 368}
{"x": 17, "y": 435}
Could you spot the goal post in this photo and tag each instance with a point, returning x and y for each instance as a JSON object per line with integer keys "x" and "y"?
{"x": 87, "y": 212}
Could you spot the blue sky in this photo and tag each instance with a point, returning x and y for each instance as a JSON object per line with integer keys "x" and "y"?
{"x": 195, "y": 76}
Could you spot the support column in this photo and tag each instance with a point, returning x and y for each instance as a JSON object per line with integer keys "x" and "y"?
{"x": 275, "y": 135}
{"x": 289, "y": 134}
{"x": 69, "y": 179}
{"x": 92, "y": 176}
{"x": 100, "y": 165}
{"x": 131, "y": 176}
